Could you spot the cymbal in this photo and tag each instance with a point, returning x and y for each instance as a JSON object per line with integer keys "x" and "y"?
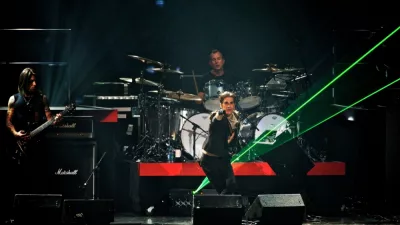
{"x": 166, "y": 92}
{"x": 184, "y": 96}
{"x": 166, "y": 70}
{"x": 146, "y": 60}
{"x": 289, "y": 70}
{"x": 139, "y": 80}
{"x": 126, "y": 79}
{"x": 270, "y": 69}
{"x": 179, "y": 95}
{"x": 278, "y": 70}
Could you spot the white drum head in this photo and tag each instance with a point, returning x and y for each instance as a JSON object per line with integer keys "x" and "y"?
{"x": 270, "y": 123}
{"x": 201, "y": 119}
{"x": 249, "y": 102}
{"x": 212, "y": 104}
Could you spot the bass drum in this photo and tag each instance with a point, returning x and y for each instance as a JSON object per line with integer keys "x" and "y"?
{"x": 273, "y": 123}
{"x": 203, "y": 121}
{"x": 260, "y": 123}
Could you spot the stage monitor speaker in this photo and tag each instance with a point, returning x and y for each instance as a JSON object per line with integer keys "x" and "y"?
{"x": 70, "y": 163}
{"x": 217, "y": 209}
{"x": 37, "y": 208}
{"x": 277, "y": 209}
{"x": 88, "y": 211}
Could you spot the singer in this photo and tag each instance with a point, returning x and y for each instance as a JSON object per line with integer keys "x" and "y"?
{"x": 216, "y": 159}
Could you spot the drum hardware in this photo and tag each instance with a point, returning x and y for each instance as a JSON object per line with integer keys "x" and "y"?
{"x": 148, "y": 145}
{"x": 251, "y": 156}
{"x": 194, "y": 128}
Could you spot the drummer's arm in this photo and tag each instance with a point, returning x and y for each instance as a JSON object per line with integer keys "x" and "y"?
{"x": 201, "y": 95}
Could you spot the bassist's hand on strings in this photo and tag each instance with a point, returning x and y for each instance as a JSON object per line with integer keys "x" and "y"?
{"x": 20, "y": 134}
{"x": 57, "y": 119}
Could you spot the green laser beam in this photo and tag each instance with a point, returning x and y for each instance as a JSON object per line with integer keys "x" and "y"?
{"x": 315, "y": 95}
{"x": 335, "y": 114}
{"x": 310, "y": 99}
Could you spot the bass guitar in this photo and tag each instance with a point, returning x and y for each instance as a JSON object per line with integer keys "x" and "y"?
{"x": 23, "y": 143}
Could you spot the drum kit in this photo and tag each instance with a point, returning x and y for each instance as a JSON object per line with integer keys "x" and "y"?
{"x": 169, "y": 122}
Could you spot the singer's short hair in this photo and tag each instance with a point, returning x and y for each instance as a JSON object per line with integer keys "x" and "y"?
{"x": 226, "y": 94}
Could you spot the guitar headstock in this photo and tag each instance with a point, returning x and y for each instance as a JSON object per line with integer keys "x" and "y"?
{"x": 69, "y": 108}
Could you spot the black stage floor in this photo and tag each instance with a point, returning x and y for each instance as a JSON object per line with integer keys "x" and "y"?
{"x": 126, "y": 218}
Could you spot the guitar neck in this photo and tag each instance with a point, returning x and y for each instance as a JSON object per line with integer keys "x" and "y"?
{"x": 42, "y": 127}
{"x": 50, "y": 122}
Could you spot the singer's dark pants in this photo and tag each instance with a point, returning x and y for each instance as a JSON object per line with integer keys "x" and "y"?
{"x": 220, "y": 173}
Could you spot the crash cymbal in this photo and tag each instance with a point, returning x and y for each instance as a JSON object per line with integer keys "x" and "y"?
{"x": 289, "y": 70}
{"x": 146, "y": 82}
{"x": 166, "y": 70}
{"x": 272, "y": 68}
{"x": 269, "y": 69}
{"x": 146, "y": 60}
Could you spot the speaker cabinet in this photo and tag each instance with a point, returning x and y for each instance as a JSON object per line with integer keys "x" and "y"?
{"x": 70, "y": 164}
{"x": 37, "y": 208}
{"x": 88, "y": 211}
{"x": 217, "y": 209}
{"x": 277, "y": 209}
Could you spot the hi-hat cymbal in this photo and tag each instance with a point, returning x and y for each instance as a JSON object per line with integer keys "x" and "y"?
{"x": 126, "y": 79}
{"x": 146, "y": 82}
{"x": 146, "y": 60}
{"x": 167, "y": 70}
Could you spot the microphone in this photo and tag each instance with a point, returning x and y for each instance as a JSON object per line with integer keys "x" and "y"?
{"x": 221, "y": 112}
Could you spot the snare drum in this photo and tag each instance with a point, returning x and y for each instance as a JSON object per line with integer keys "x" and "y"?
{"x": 212, "y": 90}
{"x": 247, "y": 95}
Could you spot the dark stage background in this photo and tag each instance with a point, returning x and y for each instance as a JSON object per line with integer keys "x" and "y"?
{"x": 91, "y": 40}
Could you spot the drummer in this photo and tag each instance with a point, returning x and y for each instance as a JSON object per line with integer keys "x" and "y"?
{"x": 217, "y": 72}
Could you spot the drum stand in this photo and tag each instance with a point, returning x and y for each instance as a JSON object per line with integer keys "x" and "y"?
{"x": 142, "y": 121}
{"x": 148, "y": 146}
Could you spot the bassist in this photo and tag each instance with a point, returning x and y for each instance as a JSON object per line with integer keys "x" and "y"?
{"x": 28, "y": 109}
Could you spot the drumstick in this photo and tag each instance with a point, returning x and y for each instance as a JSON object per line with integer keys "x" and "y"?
{"x": 195, "y": 84}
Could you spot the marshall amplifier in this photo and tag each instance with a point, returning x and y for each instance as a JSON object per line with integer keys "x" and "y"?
{"x": 70, "y": 164}
{"x": 72, "y": 127}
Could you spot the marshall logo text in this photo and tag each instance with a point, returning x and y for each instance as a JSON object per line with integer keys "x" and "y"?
{"x": 67, "y": 125}
{"x": 66, "y": 172}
